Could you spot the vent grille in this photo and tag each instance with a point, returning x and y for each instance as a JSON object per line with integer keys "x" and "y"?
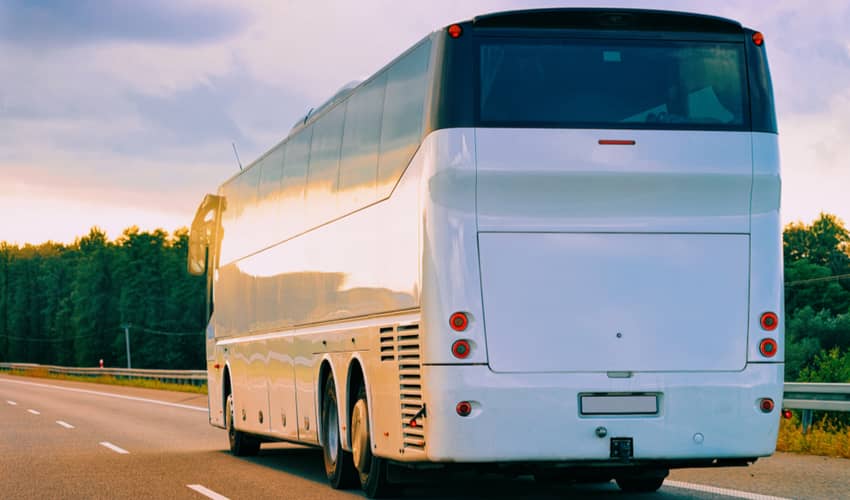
{"x": 410, "y": 387}
{"x": 387, "y": 343}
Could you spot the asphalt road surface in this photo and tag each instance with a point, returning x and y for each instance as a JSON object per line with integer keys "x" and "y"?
{"x": 76, "y": 440}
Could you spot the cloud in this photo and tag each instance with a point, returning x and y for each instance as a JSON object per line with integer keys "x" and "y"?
{"x": 67, "y": 22}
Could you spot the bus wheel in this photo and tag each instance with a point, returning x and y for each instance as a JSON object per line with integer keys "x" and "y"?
{"x": 338, "y": 466}
{"x": 241, "y": 444}
{"x": 642, "y": 484}
{"x": 372, "y": 469}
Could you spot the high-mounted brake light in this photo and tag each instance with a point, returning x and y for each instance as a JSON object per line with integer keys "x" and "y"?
{"x": 766, "y": 405}
{"x": 459, "y": 321}
{"x": 769, "y": 321}
{"x": 455, "y": 31}
{"x": 616, "y": 142}
{"x": 461, "y": 349}
{"x": 767, "y": 348}
{"x": 758, "y": 38}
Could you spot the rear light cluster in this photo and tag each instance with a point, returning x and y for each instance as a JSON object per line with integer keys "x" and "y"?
{"x": 459, "y": 322}
{"x": 769, "y": 321}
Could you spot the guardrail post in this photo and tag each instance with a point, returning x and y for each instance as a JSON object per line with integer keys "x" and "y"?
{"x": 807, "y": 420}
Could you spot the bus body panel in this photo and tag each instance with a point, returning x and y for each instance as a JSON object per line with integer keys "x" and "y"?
{"x": 535, "y": 417}
{"x": 615, "y": 302}
{"x": 564, "y": 180}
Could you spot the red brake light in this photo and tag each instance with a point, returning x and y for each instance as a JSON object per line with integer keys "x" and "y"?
{"x": 758, "y": 38}
{"x": 464, "y": 408}
{"x": 767, "y": 348}
{"x": 766, "y": 405}
{"x": 787, "y": 414}
{"x": 616, "y": 142}
{"x": 455, "y": 31}
{"x": 459, "y": 321}
{"x": 461, "y": 349}
{"x": 769, "y": 321}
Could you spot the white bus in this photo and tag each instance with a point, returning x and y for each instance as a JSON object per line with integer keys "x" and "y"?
{"x": 543, "y": 242}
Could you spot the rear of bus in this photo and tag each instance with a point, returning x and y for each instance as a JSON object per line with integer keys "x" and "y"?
{"x": 602, "y": 264}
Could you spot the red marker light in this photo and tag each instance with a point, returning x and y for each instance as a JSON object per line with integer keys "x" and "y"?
{"x": 461, "y": 349}
{"x": 464, "y": 408}
{"x": 769, "y": 321}
{"x": 455, "y": 31}
{"x": 767, "y": 348}
{"x": 787, "y": 414}
{"x": 459, "y": 321}
{"x": 616, "y": 142}
{"x": 766, "y": 405}
{"x": 758, "y": 38}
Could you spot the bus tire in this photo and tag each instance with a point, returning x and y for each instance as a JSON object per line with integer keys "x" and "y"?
{"x": 338, "y": 463}
{"x": 640, "y": 484}
{"x": 241, "y": 444}
{"x": 372, "y": 470}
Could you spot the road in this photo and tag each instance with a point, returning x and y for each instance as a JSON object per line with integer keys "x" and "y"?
{"x": 75, "y": 440}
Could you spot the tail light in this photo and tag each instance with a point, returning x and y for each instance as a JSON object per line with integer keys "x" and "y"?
{"x": 787, "y": 414}
{"x": 459, "y": 321}
{"x": 758, "y": 38}
{"x": 461, "y": 349}
{"x": 464, "y": 408}
{"x": 767, "y": 348}
{"x": 769, "y": 321}
{"x": 766, "y": 405}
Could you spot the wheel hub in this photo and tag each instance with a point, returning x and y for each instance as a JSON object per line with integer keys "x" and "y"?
{"x": 360, "y": 441}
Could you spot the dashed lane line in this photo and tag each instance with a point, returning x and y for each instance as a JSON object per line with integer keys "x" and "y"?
{"x": 106, "y": 394}
{"x": 206, "y": 492}
{"x": 721, "y": 491}
{"x": 34, "y": 412}
{"x": 64, "y": 424}
{"x": 12, "y": 403}
{"x": 116, "y": 449}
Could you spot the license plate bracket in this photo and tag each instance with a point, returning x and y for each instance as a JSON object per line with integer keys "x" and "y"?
{"x": 622, "y": 448}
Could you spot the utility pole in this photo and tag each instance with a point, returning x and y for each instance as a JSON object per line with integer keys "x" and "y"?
{"x": 126, "y": 328}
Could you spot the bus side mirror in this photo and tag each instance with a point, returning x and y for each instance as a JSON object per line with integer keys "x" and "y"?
{"x": 203, "y": 234}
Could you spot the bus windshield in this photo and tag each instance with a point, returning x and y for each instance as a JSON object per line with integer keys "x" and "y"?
{"x": 612, "y": 84}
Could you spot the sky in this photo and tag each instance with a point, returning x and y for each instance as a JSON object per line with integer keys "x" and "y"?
{"x": 116, "y": 113}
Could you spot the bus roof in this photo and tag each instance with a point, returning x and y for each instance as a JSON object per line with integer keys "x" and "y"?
{"x": 607, "y": 19}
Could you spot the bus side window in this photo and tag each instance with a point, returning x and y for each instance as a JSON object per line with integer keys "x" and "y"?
{"x": 404, "y": 103}
{"x": 360, "y": 142}
{"x": 323, "y": 173}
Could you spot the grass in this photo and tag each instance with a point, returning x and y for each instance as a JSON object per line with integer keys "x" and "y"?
{"x": 825, "y": 437}
{"x": 111, "y": 380}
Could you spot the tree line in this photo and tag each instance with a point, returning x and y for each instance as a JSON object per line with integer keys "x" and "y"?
{"x": 66, "y": 304}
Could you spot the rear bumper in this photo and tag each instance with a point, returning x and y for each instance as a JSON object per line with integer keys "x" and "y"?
{"x": 535, "y": 417}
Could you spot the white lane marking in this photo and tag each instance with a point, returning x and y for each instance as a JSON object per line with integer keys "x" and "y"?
{"x": 721, "y": 491}
{"x": 64, "y": 424}
{"x": 206, "y": 492}
{"x": 117, "y": 396}
{"x": 114, "y": 448}
{"x": 12, "y": 402}
{"x": 34, "y": 412}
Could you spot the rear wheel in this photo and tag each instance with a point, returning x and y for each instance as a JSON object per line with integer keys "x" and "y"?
{"x": 642, "y": 484}
{"x": 372, "y": 470}
{"x": 338, "y": 466}
{"x": 241, "y": 444}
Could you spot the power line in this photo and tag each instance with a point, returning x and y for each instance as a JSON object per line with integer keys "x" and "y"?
{"x": 170, "y": 334}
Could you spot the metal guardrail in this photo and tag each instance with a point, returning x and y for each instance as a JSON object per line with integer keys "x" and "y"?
{"x": 193, "y": 377}
{"x": 811, "y": 397}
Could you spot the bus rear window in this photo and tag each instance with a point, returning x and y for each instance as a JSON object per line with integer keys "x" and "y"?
{"x": 613, "y": 84}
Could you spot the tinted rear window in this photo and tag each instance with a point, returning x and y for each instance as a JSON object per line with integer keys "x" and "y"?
{"x": 612, "y": 84}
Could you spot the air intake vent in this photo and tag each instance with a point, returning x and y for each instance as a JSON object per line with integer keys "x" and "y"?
{"x": 387, "y": 343}
{"x": 410, "y": 388}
